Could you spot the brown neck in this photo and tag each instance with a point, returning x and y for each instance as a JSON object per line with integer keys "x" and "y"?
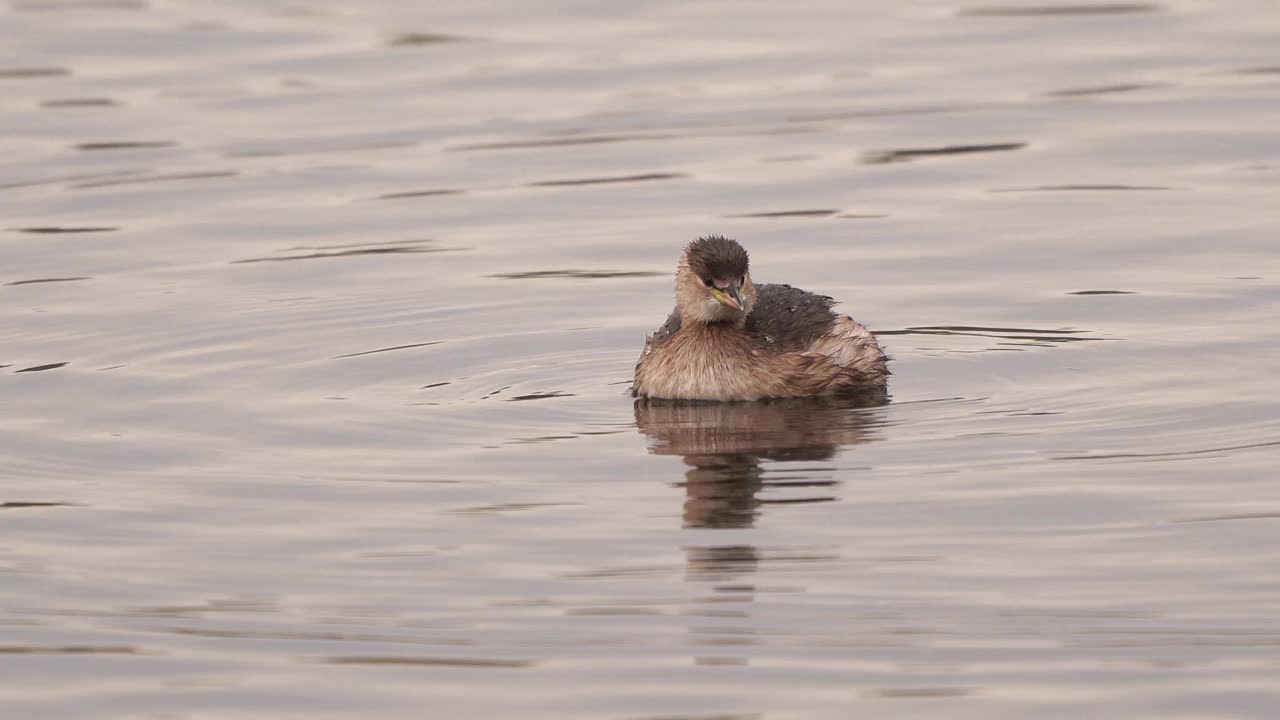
{"x": 722, "y": 318}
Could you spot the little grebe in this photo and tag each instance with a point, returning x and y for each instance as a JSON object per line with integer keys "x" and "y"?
{"x": 729, "y": 339}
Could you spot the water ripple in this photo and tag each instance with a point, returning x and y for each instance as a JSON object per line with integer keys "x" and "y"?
{"x": 170, "y": 177}
{"x": 42, "y": 368}
{"x": 69, "y": 179}
{"x": 61, "y": 230}
{"x": 1172, "y": 454}
{"x": 424, "y": 38}
{"x": 125, "y": 145}
{"x": 69, "y": 650}
{"x": 79, "y": 102}
{"x": 785, "y": 214}
{"x": 13, "y": 73}
{"x": 577, "y": 274}
{"x": 1058, "y": 10}
{"x": 36, "y": 281}
{"x": 420, "y": 193}
{"x": 1087, "y": 187}
{"x": 393, "y": 250}
{"x": 540, "y": 396}
{"x": 486, "y": 663}
{"x": 644, "y": 177}
{"x": 1105, "y": 89}
{"x": 880, "y": 157}
{"x": 388, "y": 349}
{"x": 1044, "y": 336}
{"x": 64, "y": 5}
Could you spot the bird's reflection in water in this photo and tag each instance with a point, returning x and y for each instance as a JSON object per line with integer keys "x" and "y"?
{"x": 725, "y": 446}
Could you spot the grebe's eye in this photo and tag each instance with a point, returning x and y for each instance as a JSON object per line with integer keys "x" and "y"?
{"x": 707, "y": 281}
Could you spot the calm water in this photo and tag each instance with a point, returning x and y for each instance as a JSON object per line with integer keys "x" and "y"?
{"x": 317, "y": 323}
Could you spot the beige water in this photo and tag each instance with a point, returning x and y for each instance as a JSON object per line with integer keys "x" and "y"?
{"x": 326, "y": 413}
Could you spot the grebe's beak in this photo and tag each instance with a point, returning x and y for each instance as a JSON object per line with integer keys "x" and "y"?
{"x": 728, "y": 296}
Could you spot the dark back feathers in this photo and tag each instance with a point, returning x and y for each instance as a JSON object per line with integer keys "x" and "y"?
{"x": 788, "y": 318}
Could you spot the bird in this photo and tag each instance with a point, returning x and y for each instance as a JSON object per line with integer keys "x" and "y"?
{"x": 729, "y": 339}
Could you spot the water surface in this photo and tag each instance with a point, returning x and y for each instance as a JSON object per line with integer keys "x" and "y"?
{"x": 317, "y": 323}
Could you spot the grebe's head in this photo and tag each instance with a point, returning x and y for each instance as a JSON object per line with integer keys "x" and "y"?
{"x": 713, "y": 283}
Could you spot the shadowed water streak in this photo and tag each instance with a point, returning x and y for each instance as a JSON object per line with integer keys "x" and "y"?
{"x": 608, "y": 180}
{"x": 420, "y": 193}
{"x": 423, "y": 38}
{"x": 398, "y": 250}
{"x": 1103, "y": 292}
{"x": 386, "y": 349}
{"x": 1241, "y": 516}
{"x": 55, "y": 230}
{"x": 69, "y": 178}
{"x": 46, "y": 280}
{"x": 1050, "y": 10}
{"x": 126, "y": 145}
{"x": 61, "y": 5}
{"x": 427, "y": 662}
{"x": 880, "y": 157}
{"x": 630, "y": 137}
{"x": 540, "y": 396}
{"x": 786, "y": 214}
{"x": 68, "y": 650}
{"x": 19, "y": 504}
{"x": 889, "y": 112}
{"x": 1104, "y": 89}
{"x": 712, "y": 716}
{"x": 578, "y": 274}
{"x": 17, "y": 73}
{"x": 1080, "y": 188}
{"x": 79, "y": 102}
{"x": 156, "y": 179}
{"x": 922, "y": 692}
{"x": 270, "y": 152}
{"x": 559, "y": 142}
{"x": 1045, "y": 336}
{"x": 342, "y": 246}
{"x": 1170, "y": 454}
{"x": 513, "y": 507}
{"x": 310, "y": 636}
{"x": 42, "y": 368}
